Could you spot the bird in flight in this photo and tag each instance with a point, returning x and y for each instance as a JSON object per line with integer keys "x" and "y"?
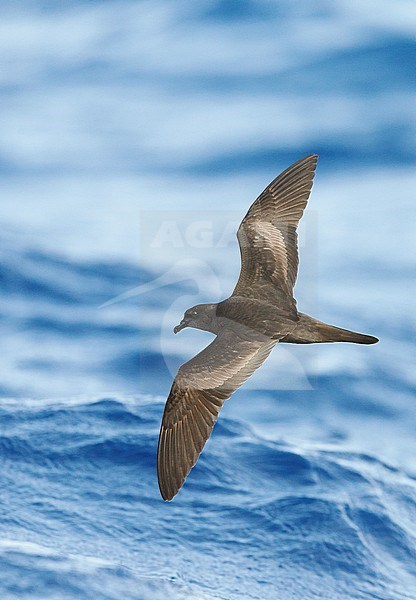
{"x": 260, "y": 312}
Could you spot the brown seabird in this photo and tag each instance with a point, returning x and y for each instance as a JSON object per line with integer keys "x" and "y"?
{"x": 260, "y": 312}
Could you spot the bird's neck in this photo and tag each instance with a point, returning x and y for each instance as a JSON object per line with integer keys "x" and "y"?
{"x": 210, "y": 322}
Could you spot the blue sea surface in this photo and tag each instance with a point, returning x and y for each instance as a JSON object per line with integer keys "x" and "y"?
{"x": 134, "y": 136}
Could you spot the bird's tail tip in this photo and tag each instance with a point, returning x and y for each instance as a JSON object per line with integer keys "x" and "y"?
{"x": 360, "y": 338}
{"x": 344, "y": 335}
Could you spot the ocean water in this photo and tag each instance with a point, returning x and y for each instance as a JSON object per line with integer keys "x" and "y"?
{"x": 134, "y": 137}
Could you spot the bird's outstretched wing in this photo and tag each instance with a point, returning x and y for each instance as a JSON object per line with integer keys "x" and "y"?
{"x": 268, "y": 239}
{"x": 198, "y": 392}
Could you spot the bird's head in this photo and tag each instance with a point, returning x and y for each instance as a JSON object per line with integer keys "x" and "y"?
{"x": 200, "y": 317}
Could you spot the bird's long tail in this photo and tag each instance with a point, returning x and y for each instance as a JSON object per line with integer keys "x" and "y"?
{"x": 330, "y": 333}
{"x": 312, "y": 331}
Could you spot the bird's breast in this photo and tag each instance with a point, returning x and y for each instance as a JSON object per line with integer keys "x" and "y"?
{"x": 254, "y": 317}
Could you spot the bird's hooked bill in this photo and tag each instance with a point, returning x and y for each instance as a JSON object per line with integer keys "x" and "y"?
{"x": 181, "y": 326}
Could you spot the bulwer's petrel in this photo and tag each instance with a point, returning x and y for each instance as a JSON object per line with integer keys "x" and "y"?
{"x": 260, "y": 312}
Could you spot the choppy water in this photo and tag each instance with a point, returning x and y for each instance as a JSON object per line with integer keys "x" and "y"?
{"x": 259, "y": 518}
{"x": 118, "y": 117}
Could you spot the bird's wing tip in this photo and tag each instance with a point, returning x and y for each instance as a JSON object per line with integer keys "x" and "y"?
{"x": 167, "y": 496}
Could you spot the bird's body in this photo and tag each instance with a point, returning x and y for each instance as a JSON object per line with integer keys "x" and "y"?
{"x": 260, "y": 312}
